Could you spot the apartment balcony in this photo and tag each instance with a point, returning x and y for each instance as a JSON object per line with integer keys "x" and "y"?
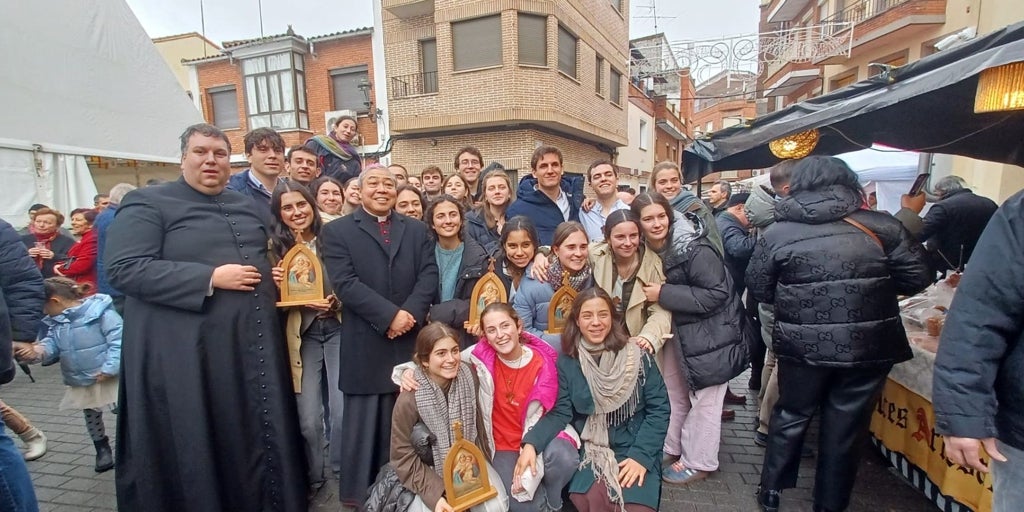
{"x": 876, "y": 21}
{"x": 416, "y": 84}
{"x": 787, "y": 10}
{"x": 408, "y": 8}
{"x": 783, "y": 78}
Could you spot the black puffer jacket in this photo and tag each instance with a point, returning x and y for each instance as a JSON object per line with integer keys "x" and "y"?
{"x": 708, "y": 317}
{"x": 476, "y": 228}
{"x": 833, "y": 287}
{"x": 21, "y": 297}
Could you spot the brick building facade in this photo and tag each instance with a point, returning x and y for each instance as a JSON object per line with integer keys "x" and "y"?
{"x": 881, "y": 35}
{"x": 505, "y": 77}
{"x": 288, "y": 82}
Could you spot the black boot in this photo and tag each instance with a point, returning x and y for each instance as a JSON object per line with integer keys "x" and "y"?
{"x": 104, "y": 457}
{"x": 768, "y": 499}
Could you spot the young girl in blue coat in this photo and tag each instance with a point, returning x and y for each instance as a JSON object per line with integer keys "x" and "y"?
{"x": 84, "y": 334}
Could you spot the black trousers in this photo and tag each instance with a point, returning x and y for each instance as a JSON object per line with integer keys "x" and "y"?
{"x": 757, "y": 349}
{"x": 846, "y": 397}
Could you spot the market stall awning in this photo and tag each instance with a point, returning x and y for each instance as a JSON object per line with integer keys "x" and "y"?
{"x": 925, "y": 106}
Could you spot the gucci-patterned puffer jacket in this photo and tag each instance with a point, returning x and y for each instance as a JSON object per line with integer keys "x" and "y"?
{"x": 833, "y": 287}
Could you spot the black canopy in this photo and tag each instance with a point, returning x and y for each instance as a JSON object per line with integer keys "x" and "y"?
{"x": 924, "y": 106}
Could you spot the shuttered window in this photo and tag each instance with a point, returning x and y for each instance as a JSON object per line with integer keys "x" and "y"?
{"x": 598, "y": 74}
{"x": 566, "y": 52}
{"x": 225, "y": 107}
{"x": 345, "y": 86}
{"x": 533, "y": 40}
{"x": 477, "y": 43}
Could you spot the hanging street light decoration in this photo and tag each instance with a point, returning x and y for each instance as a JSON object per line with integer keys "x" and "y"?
{"x": 1000, "y": 89}
{"x": 797, "y": 145}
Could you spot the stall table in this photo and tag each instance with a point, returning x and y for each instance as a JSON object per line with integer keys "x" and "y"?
{"x": 902, "y": 429}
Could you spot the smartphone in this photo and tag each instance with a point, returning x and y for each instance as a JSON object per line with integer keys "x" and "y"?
{"x": 918, "y": 185}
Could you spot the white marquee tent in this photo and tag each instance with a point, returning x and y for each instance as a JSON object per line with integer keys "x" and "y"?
{"x": 80, "y": 78}
{"x": 888, "y": 172}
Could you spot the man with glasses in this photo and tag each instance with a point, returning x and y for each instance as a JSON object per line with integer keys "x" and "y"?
{"x": 468, "y": 162}
{"x": 264, "y": 148}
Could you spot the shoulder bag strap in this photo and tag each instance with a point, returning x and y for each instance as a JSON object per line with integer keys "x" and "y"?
{"x": 866, "y": 231}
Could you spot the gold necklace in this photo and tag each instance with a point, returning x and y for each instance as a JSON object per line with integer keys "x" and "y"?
{"x": 510, "y": 382}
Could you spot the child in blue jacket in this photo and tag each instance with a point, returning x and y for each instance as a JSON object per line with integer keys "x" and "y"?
{"x": 84, "y": 334}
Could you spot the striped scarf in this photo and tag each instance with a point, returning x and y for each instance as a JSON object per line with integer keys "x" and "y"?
{"x": 439, "y": 410}
{"x": 340, "y": 149}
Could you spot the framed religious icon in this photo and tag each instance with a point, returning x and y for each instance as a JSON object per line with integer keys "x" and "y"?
{"x": 560, "y": 306}
{"x": 303, "y": 281}
{"x": 488, "y": 290}
{"x": 466, "y": 482}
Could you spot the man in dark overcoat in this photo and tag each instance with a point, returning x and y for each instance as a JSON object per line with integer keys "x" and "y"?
{"x": 383, "y": 270}
{"x": 207, "y": 417}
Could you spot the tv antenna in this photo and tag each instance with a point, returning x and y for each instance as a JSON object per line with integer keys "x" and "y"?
{"x": 650, "y": 11}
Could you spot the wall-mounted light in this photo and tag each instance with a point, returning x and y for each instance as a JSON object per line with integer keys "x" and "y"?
{"x": 365, "y": 86}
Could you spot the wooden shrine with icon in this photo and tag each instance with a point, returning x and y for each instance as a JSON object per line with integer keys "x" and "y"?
{"x": 466, "y": 482}
{"x": 560, "y": 306}
{"x": 303, "y": 281}
{"x": 488, "y": 290}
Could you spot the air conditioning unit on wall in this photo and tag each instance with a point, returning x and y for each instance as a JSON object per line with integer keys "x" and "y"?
{"x": 334, "y": 114}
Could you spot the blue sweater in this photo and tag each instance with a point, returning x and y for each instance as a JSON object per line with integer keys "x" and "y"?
{"x": 86, "y": 339}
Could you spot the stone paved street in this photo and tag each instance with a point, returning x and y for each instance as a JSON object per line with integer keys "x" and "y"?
{"x": 65, "y": 480}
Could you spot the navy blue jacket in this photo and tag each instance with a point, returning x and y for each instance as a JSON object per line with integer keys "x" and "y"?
{"x": 101, "y": 224}
{"x": 739, "y": 245}
{"x": 21, "y": 297}
{"x": 979, "y": 369}
{"x": 544, "y": 213}
{"x": 243, "y": 184}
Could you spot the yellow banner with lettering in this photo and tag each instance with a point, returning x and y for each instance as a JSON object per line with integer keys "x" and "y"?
{"x": 903, "y": 422}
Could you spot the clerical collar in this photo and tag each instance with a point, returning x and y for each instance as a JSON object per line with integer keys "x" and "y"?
{"x": 379, "y": 218}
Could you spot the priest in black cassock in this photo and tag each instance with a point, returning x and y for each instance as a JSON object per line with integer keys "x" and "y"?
{"x": 383, "y": 270}
{"x": 207, "y": 416}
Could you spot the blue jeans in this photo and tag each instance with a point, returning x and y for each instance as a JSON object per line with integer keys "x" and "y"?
{"x": 1007, "y": 493}
{"x": 16, "y": 492}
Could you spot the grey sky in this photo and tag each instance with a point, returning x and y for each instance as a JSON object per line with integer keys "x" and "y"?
{"x": 239, "y": 19}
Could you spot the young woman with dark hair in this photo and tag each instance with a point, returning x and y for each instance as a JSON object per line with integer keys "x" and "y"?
{"x": 622, "y": 267}
{"x": 460, "y": 263}
{"x": 710, "y": 346}
{"x": 409, "y": 202}
{"x": 611, "y": 392}
{"x": 456, "y": 186}
{"x": 518, "y": 245}
{"x": 330, "y": 198}
{"x": 518, "y": 385}
{"x": 446, "y": 392}
{"x": 313, "y": 333}
{"x": 570, "y": 248}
